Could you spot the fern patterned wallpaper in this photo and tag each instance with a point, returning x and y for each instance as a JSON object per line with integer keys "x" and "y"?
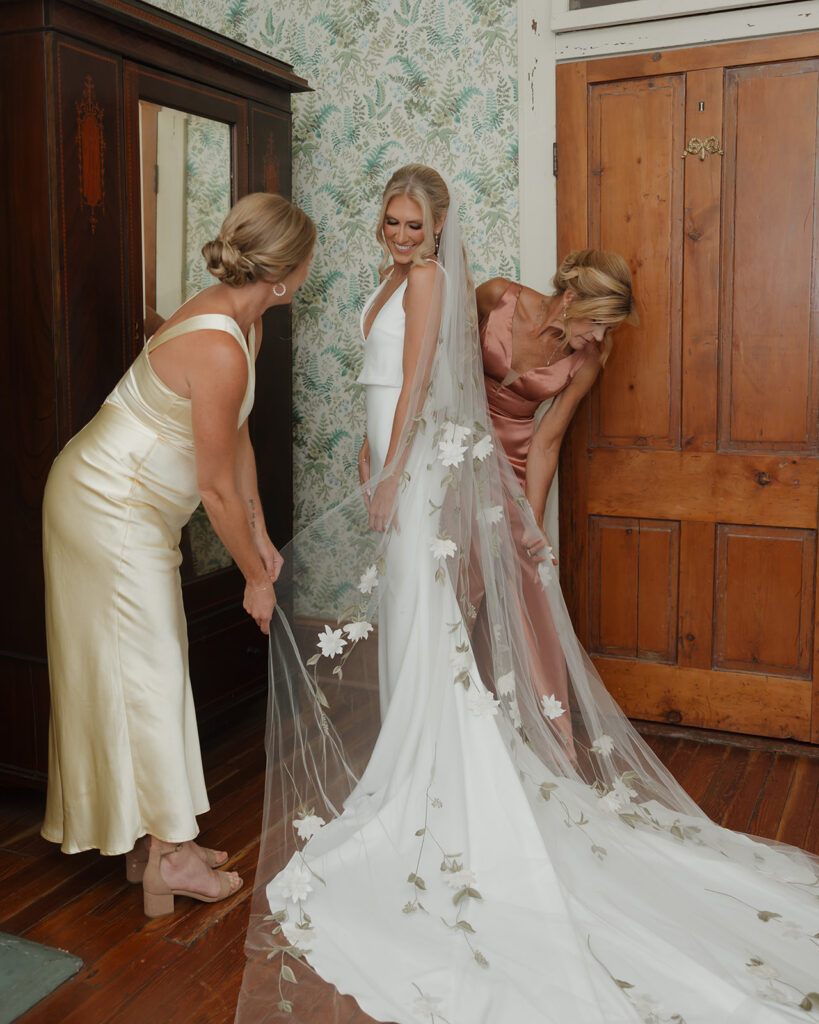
{"x": 395, "y": 81}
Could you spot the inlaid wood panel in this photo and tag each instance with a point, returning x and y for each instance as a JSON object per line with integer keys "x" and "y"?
{"x": 764, "y": 600}
{"x": 270, "y": 169}
{"x": 91, "y": 216}
{"x": 634, "y": 587}
{"x": 635, "y": 208}
{"x": 769, "y": 254}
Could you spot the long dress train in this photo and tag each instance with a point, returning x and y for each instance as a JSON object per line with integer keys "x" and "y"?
{"x": 483, "y": 870}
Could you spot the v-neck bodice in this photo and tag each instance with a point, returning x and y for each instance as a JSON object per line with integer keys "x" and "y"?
{"x": 514, "y": 399}
{"x": 384, "y": 343}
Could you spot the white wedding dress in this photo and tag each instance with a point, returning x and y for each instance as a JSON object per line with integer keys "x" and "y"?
{"x": 473, "y": 879}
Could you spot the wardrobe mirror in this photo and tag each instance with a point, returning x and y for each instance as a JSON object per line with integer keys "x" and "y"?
{"x": 185, "y": 163}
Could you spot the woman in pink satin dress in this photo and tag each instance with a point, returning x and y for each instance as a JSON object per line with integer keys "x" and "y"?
{"x": 538, "y": 347}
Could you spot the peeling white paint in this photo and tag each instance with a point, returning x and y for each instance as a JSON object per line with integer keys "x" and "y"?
{"x": 583, "y": 43}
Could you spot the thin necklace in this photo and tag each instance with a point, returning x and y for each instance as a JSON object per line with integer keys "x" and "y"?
{"x": 559, "y": 345}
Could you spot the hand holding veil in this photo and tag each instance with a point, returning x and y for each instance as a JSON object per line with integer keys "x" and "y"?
{"x": 508, "y": 851}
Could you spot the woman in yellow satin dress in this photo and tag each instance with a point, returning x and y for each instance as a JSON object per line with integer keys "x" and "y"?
{"x": 125, "y": 771}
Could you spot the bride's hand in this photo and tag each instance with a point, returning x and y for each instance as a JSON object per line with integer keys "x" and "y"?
{"x": 382, "y": 504}
{"x": 364, "y": 470}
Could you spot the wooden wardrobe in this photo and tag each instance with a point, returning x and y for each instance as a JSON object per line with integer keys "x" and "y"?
{"x": 76, "y": 80}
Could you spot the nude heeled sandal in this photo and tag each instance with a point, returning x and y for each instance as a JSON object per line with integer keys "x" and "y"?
{"x": 158, "y": 897}
{"x": 137, "y": 859}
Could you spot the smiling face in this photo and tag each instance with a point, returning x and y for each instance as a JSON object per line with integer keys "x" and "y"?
{"x": 403, "y": 228}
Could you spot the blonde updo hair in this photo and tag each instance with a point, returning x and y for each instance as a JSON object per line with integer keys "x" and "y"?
{"x": 428, "y": 189}
{"x": 263, "y": 238}
{"x": 601, "y": 282}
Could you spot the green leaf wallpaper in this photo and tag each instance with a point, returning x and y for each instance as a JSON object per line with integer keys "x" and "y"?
{"x": 433, "y": 81}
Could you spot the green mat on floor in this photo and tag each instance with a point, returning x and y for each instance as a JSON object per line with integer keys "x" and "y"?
{"x": 28, "y": 972}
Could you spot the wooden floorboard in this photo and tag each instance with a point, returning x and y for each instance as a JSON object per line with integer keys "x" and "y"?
{"x": 187, "y": 968}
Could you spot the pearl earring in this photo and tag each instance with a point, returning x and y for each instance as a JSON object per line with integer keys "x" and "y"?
{"x": 283, "y": 287}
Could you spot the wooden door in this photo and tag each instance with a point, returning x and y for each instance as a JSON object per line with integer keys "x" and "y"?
{"x": 689, "y": 477}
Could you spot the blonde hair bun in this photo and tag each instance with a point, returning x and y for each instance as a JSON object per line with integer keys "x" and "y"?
{"x": 264, "y": 237}
{"x": 601, "y": 282}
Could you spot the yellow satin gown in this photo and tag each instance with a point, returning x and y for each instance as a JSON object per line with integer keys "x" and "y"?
{"x": 124, "y": 755}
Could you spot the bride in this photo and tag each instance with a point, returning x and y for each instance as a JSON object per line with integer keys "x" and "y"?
{"x": 502, "y": 855}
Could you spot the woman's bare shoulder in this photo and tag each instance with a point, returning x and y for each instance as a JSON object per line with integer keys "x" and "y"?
{"x": 422, "y": 276}
{"x": 490, "y": 293}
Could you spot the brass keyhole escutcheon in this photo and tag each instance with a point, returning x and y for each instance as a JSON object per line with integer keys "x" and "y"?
{"x": 702, "y": 147}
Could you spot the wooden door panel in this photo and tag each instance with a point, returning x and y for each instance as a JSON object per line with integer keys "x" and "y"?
{"x": 634, "y": 587}
{"x": 700, "y": 314}
{"x": 635, "y": 206}
{"x": 91, "y": 221}
{"x": 768, "y": 260}
{"x": 614, "y": 544}
{"x": 659, "y": 586}
{"x": 764, "y": 600}
{"x": 696, "y": 594}
{"x": 690, "y": 478}
{"x": 746, "y": 702}
{"x": 704, "y": 487}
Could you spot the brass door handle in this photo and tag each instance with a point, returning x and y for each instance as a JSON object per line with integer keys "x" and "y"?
{"x": 702, "y": 146}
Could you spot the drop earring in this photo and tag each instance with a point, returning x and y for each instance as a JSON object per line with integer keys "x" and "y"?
{"x": 276, "y": 287}
{"x": 437, "y": 237}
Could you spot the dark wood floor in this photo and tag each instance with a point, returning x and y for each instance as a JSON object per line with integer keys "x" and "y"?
{"x": 186, "y": 969}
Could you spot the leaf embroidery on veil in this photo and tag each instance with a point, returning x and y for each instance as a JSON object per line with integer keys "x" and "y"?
{"x": 454, "y": 875}
{"x": 649, "y": 1009}
{"x": 774, "y": 989}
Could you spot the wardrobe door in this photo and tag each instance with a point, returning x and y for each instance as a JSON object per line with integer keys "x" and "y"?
{"x": 272, "y": 417}
{"x": 90, "y": 336}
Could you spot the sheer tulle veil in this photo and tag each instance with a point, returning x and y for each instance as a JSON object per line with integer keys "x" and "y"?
{"x": 426, "y": 626}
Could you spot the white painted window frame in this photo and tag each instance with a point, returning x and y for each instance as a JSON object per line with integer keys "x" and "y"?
{"x": 640, "y": 11}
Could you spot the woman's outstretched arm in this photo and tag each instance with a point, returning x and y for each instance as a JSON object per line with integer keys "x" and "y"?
{"x": 218, "y": 380}
{"x": 544, "y": 450}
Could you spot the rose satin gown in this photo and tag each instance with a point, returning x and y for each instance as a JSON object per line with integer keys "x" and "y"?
{"x": 124, "y": 754}
{"x": 512, "y": 401}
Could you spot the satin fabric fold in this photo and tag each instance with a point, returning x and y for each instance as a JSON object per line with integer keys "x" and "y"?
{"x": 124, "y": 755}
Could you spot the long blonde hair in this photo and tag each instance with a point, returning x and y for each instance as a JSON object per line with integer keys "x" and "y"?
{"x": 601, "y": 282}
{"x": 426, "y": 186}
{"x": 263, "y": 237}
